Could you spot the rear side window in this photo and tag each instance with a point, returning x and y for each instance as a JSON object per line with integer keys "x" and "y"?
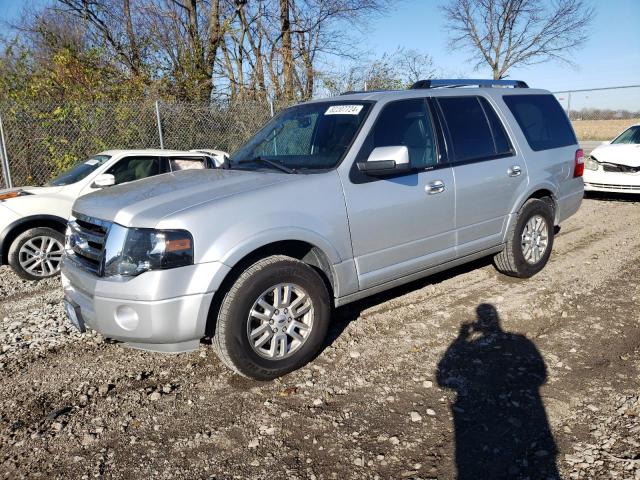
{"x": 188, "y": 163}
{"x": 542, "y": 120}
{"x": 468, "y": 127}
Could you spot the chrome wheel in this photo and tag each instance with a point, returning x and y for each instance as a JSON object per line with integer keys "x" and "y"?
{"x": 535, "y": 239}
{"x": 41, "y": 256}
{"x": 280, "y": 321}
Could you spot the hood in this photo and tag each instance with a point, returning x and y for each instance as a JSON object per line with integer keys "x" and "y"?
{"x": 144, "y": 203}
{"x": 623, "y": 154}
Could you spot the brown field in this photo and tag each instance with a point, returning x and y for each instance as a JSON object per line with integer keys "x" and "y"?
{"x": 601, "y": 129}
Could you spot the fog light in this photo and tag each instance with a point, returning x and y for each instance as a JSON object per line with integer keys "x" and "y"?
{"x": 126, "y": 318}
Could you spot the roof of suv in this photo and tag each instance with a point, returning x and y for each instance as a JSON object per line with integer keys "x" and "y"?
{"x": 386, "y": 95}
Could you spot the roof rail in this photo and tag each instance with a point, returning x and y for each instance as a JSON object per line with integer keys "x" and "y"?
{"x": 352, "y": 92}
{"x": 468, "y": 82}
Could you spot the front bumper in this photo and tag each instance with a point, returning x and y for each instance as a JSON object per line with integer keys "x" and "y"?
{"x": 616, "y": 182}
{"x": 162, "y": 311}
{"x": 7, "y": 217}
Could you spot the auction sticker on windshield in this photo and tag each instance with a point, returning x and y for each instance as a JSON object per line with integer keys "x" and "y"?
{"x": 343, "y": 110}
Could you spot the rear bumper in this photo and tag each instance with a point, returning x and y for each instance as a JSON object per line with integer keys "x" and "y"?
{"x": 159, "y": 311}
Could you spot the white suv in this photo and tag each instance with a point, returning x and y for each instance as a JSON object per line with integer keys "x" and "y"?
{"x": 33, "y": 219}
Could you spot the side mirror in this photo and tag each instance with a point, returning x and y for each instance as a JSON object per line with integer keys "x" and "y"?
{"x": 606, "y": 142}
{"x": 104, "y": 180}
{"x": 385, "y": 161}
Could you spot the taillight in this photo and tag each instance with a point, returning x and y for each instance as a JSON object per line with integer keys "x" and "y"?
{"x": 578, "y": 169}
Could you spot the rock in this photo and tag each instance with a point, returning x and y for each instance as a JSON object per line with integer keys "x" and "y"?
{"x": 155, "y": 396}
{"x": 254, "y": 443}
{"x": 415, "y": 417}
{"x": 359, "y": 462}
{"x": 431, "y": 412}
{"x": 87, "y": 439}
{"x": 317, "y": 402}
{"x": 394, "y": 440}
{"x": 427, "y": 384}
{"x": 354, "y": 354}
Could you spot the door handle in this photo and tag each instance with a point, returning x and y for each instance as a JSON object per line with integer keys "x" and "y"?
{"x": 514, "y": 171}
{"x": 437, "y": 186}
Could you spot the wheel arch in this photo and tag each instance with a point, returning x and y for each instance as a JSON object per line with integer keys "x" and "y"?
{"x": 13, "y": 230}
{"x": 302, "y": 250}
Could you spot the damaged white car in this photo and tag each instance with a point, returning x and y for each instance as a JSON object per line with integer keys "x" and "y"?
{"x": 615, "y": 166}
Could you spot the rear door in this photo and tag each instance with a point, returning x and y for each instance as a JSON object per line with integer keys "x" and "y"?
{"x": 489, "y": 175}
{"x": 401, "y": 224}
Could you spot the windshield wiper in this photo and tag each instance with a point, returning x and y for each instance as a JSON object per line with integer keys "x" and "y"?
{"x": 266, "y": 161}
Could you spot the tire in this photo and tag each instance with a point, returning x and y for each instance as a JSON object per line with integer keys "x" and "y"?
{"x": 513, "y": 259}
{"x": 27, "y": 258}
{"x": 236, "y": 318}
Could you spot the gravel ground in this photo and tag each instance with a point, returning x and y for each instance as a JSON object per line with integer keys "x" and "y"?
{"x": 469, "y": 374}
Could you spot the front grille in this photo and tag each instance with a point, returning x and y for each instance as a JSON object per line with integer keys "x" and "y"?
{"x": 87, "y": 241}
{"x": 615, "y": 167}
{"x": 608, "y": 186}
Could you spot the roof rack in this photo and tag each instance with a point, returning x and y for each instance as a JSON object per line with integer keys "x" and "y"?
{"x": 352, "y": 92}
{"x": 468, "y": 82}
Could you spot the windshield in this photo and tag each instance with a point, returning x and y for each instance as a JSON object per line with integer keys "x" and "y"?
{"x": 80, "y": 171}
{"x": 311, "y": 136}
{"x": 630, "y": 135}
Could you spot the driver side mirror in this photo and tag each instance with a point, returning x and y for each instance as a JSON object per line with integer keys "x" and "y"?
{"x": 385, "y": 161}
{"x": 104, "y": 180}
{"x": 606, "y": 142}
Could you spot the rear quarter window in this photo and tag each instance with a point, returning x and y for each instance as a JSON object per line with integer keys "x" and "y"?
{"x": 542, "y": 120}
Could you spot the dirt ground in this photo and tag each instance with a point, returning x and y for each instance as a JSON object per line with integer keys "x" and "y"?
{"x": 468, "y": 374}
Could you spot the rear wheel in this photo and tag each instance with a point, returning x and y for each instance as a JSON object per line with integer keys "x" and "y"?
{"x": 529, "y": 241}
{"x": 37, "y": 253}
{"x": 273, "y": 319}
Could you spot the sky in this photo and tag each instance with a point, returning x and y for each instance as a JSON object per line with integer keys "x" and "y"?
{"x": 610, "y": 57}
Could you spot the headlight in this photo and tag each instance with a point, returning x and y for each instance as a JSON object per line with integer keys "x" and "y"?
{"x": 14, "y": 194}
{"x": 591, "y": 164}
{"x": 145, "y": 249}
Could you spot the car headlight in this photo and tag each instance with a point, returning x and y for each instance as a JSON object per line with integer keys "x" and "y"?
{"x": 13, "y": 194}
{"x": 591, "y": 164}
{"x": 144, "y": 249}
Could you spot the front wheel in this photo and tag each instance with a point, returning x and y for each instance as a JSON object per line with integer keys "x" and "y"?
{"x": 273, "y": 319}
{"x": 37, "y": 253}
{"x": 529, "y": 241}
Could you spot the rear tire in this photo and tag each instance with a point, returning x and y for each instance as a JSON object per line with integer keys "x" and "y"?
{"x": 529, "y": 240}
{"x": 273, "y": 319}
{"x": 36, "y": 254}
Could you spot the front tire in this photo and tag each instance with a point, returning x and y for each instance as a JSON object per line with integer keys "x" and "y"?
{"x": 37, "y": 253}
{"x": 273, "y": 319}
{"x": 529, "y": 241}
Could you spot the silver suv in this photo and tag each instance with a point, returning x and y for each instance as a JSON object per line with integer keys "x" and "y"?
{"x": 332, "y": 201}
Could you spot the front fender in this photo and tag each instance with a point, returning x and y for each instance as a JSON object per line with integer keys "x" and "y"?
{"x": 266, "y": 237}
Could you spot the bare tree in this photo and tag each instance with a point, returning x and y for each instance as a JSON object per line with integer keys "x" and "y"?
{"x": 507, "y": 33}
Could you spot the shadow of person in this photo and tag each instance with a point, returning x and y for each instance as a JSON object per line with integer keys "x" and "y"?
{"x": 501, "y": 427}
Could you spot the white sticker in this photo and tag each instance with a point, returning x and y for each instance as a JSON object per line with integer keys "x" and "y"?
{"x": 91, "y": 162}
{"x": 343, "y": 110}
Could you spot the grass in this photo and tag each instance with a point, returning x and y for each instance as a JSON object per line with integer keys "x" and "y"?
{"x": 601, "y": 129}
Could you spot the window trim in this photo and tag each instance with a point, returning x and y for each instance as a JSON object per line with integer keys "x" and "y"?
{"x": 357, "y": 177}
{"x": 449, "y": 140}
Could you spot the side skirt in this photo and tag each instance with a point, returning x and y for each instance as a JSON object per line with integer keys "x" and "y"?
{"x": 415, "y": 276}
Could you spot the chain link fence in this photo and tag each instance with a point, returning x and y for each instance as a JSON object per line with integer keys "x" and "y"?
{"x": 42, "y": 140}
{"x": 601, "y": 113}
